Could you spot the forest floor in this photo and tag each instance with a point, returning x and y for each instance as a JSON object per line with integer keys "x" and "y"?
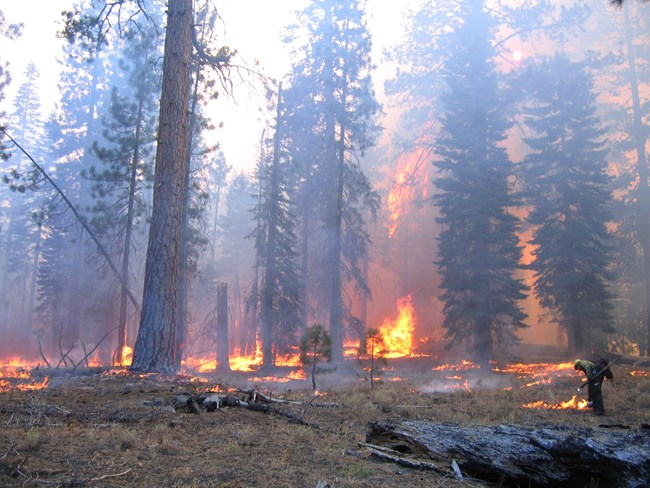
{"x": 111, "y": 428}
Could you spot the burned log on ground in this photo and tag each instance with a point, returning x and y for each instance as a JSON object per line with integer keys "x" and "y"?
{"x": 518, "y": 455}
{"x": 248, "y": 399}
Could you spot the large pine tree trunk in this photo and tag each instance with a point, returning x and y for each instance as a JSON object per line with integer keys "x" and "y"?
{"x": 184, "y": 273}
{"x": 154, "y": 347}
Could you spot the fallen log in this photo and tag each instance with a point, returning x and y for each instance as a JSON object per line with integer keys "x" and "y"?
{"x": 248, "y": 399}
{"x": 518, "y": 455}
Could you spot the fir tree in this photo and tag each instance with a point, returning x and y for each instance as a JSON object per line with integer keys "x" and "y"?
{"x": 281, "y": 307}
{"x": 478, "y": 246}
{"x": 567, "y": 187}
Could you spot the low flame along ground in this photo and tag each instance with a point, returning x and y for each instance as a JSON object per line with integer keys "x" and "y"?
{"x": 16, "y": 374}
{"x": 398, "y": 337}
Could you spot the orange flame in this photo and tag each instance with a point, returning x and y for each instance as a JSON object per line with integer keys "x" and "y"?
{"x": 462, "y": 366}
{"x": 409, "y": 176}
{"x": 125, "y": 357}
{"x": 398, "y": 334}
{"x": 16, "y": 375}
{"x": 572, "y": 404}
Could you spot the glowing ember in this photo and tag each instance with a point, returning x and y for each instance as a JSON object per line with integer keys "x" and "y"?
{"x": 398, "y": 335}
{"x": 639, "y": 373}
{"x": 462, "y": 366}
{"x": 573, "y": 404}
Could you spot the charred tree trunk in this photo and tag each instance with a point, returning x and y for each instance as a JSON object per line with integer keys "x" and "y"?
{"x": 223, "y": 363}
{"x": 517, "y": 455}
{"x": 154, "y": 347}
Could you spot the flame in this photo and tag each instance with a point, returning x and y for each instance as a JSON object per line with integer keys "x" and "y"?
{"x": 572, "y": 404}
{"x": 536, "y": 373}
{"x": 462, "y": 366}
{"x": 398, "y": 334}
{"x": 16, "y": 374}
{"x": 409, "y": 176}
{"x": 125, "y": 357}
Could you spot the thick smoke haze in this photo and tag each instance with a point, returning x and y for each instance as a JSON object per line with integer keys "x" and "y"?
{"x": 417, "y": 160}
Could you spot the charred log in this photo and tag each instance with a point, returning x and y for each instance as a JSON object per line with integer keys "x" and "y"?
{"x": 249, "y": 399}
{"x": 518, "y": 455}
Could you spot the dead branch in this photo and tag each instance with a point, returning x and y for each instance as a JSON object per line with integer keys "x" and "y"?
{"x": 40, "y": 351}
{"x": 87, "y": 354}
{"x": 258, "y": 395}
{"x": 388, "y": 454}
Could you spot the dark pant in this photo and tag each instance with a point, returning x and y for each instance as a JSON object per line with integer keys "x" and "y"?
{"x": 596, "y": 396}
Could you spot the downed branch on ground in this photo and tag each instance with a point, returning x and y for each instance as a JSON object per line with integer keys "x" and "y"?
{"x": 546, "y": 455}
{"x": 249, "y": 399}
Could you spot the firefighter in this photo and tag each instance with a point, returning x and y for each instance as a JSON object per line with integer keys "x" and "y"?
{"x": 596, "y": 373}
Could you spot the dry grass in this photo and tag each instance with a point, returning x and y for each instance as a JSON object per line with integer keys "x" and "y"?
{"x": 115, "y": 431}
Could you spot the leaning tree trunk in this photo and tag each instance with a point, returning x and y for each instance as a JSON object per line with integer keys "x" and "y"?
{"x": 154, "y": 347}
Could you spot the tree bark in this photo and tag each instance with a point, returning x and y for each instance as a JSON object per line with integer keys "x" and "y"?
{"x": 154, "y": 347}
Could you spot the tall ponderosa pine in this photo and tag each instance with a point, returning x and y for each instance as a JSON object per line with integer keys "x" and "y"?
{"x": 479, "y": 253}
{"x": 120, "y": 212}
{"x": 193, "y": 235}
{"x": 155, "y": 344}
{"x": 331, "y": 95}
{"x": 567, "y": 187}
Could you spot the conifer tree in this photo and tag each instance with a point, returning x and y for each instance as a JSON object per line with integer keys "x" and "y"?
{"x": 331, "y": 97}
{"x": 22, "y": 239}
{"x": 119, "y": 213}
{"x": 479, "y": 253}
{"x": 281, "y": 304}
{"x": 567, "y": 187}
